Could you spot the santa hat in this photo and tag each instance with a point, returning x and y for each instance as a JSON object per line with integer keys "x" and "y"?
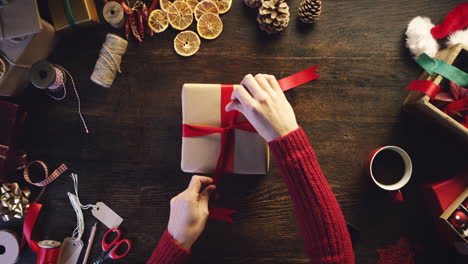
{"x": 422, "y": 35}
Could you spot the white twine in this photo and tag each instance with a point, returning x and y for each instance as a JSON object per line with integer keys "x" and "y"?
{"x": 65, "y": 94}
{"x": 77, "y": 206}
{"x": 108, "y": 63}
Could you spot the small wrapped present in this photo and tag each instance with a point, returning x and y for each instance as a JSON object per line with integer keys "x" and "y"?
{"x": 211, "y": 135}
{"x": 19, "y": 55}
{"x": 11, "y": 122}
{"x": 19, "y": 18}
{"x": 70, "y": 13}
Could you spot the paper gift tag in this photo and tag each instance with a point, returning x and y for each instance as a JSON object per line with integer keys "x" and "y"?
{"x": 108, "y": 217}
{"x": 70, "y": 251}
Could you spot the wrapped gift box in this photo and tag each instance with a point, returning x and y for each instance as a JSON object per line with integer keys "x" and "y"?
{"x": 461, "y": 205}
{"x": 11, "y": 122}
{"x": 202, "y": 105}
{"x": 420, "y": 104}
{"x": 19, "y": 18}
{"x": 69, "y": 13}
{"x": 24, "y": 53}
{"x": 439, "y": 196}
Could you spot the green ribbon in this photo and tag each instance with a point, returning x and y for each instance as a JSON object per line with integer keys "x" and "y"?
{"x": 450, "y": 72}
{"x": 68, "y": 12}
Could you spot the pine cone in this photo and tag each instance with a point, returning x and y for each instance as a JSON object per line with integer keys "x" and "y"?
{"x": 309, "y": 11}
{"x": 253, "y": 3}
{"x": 273, "y": 16}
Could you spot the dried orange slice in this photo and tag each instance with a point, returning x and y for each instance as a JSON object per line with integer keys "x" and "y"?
{"x": 180, "y": 15}
{"x": 206, "y": 6}
{"x": 157, "y": 21}
{"x": 193, "y": 3}
{"x": 223, "y": 5}
{"x": 187, "y": 43}
{"x": 165, "y": 4}
{"x": 209, "y": 26}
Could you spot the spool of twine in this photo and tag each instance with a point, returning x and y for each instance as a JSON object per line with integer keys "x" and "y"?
{"x": 45, "y": 76}
{"x": 53, "y": 79}
{"x": 114, "y": 14}
{"x": 108, "y": 63}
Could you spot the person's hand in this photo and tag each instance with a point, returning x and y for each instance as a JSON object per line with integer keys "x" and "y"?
{"x": 189, "y": 211}
{"x": 264, "y": 104}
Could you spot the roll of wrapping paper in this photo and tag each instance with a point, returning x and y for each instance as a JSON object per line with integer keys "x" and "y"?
{"x": 11, "y": 247}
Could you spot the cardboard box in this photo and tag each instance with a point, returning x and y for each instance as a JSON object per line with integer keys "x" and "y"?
{"x": 201, "y": 106}
{"x": 67, "y": 14}
{"x": 457, "y": 205}
{"x": 19, "y": 18}
{"x": 419, "y": 103}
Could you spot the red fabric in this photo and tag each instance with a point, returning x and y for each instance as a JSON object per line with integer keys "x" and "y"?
{"x": 168, "y": 252}
{"x": 401, "y": 253}
{"x": 318, "y": 214}
{"x": 11, "y": 120}
{"x": 455, "y": 20}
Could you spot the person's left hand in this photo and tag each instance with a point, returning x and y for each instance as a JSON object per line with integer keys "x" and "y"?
{"x": 189, "y": 211}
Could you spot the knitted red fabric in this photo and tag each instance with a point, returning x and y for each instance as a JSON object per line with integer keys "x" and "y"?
{"x": 317, "y": 211}
{"x": 318, "y": 214}
{"x": 168, "y": 252}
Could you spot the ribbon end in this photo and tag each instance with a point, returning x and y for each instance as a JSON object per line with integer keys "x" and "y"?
{"x": 222, "y": 214}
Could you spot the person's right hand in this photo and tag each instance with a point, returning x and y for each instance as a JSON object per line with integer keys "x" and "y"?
{"x": 189, "y": 211}
{"x": 264, "y": 104}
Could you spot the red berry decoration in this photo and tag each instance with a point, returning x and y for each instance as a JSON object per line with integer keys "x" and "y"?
{"x": 459, "y": 219}
{"x": 465, "y": 203}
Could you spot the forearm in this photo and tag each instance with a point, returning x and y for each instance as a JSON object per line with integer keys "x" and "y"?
{"x": 317, "y": 211}
{"x": 168, "y": 252}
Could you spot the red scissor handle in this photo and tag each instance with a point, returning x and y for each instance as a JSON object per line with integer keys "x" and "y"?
{"x": 113, "y": 253}
{"x": 107, "y": 246}
{"x": 115, "y": 244}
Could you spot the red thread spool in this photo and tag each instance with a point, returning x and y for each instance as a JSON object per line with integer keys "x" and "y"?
{"x": 459, "y": 219}
{"x": 48, "y": 252}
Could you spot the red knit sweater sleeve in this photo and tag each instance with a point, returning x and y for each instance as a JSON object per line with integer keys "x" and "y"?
{"x": 317, "y": 211}
{"x": 168, "y": 252}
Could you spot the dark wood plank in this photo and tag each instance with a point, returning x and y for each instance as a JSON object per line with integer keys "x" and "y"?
{"x": 131, "y": 159}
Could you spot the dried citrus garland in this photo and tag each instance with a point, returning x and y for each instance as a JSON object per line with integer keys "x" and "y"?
{"x": 180, "y": 13}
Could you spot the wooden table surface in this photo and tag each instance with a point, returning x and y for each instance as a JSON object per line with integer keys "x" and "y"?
{"x": 131, "y": 158}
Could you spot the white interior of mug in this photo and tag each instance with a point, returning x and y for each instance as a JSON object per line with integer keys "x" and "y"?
{"x": 406, "y": 175}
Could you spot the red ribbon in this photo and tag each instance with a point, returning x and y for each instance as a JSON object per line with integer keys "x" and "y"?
{"x": 432, "y": 90}
{"x": 44, "y": 255}
{"x": 429, "y": 88}
{"x": 225, "y": 163}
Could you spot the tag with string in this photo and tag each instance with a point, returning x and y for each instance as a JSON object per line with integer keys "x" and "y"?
{"x": 72, "y": 246}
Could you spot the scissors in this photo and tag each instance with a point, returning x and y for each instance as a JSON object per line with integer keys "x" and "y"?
{"x": 110, "y": 249}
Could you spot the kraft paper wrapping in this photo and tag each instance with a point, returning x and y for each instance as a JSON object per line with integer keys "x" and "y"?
{"x": 81, "y": 13}
{"x": 19, "y": 18}
{"x": 25, "y": 52}
{"x": 201, "y": 106}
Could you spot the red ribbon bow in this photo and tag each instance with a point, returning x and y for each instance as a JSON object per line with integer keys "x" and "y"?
{"x": 229, "y": 122}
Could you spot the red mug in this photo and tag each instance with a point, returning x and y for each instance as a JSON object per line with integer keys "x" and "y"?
{"x": 395, "y": 188}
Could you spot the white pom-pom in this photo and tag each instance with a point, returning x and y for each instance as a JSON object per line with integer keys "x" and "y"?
{"x": 459, "y": 36}
{"x": 419, "y": 38}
